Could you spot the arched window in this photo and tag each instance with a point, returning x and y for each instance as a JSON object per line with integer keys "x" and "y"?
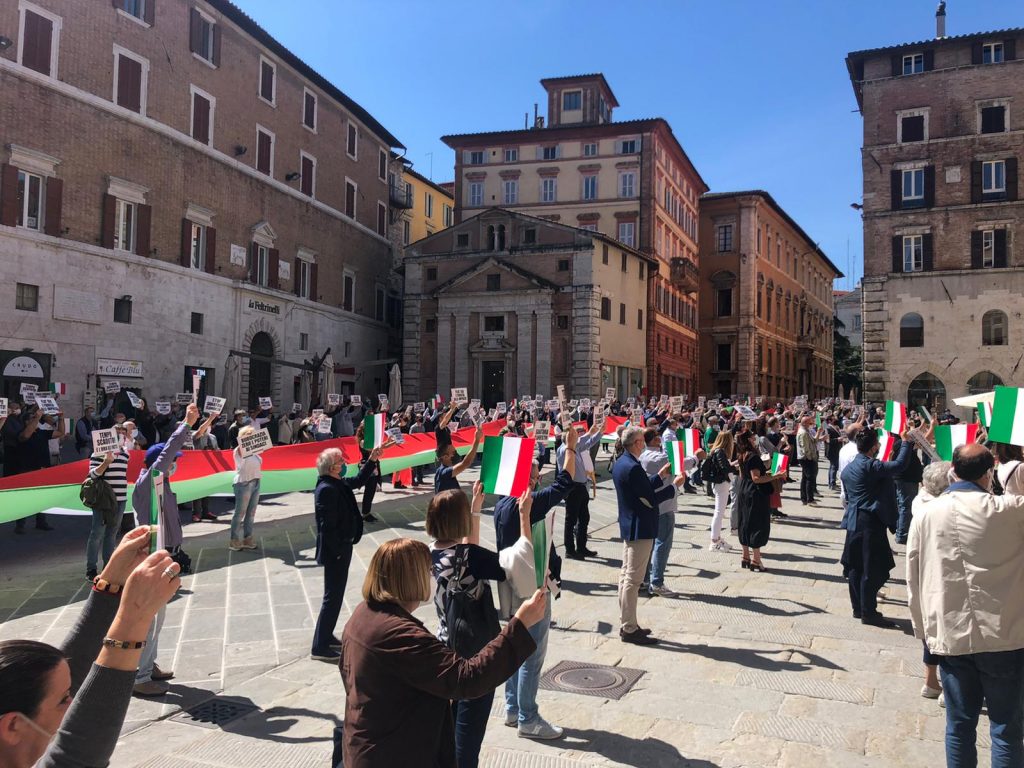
{"x": 985, "y": 381}
{"x": 993, "y": 329}
{"x": 911, "y": 330}
{"x": 928, "y": 391}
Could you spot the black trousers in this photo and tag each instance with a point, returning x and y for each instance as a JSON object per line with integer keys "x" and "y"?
{"x": 577, "y": 518}
{"x": 808, "y": 476}
{"x": 369, "y": 491}
{"x": 335, "y": 580}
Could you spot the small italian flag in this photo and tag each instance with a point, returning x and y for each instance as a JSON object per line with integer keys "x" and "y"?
{"x": 780, "y": 463}
{"x": 58, "y": 388}
{"x": 373, "y": 430}
{"x": 506, "y": 465}
{"x": 985, "y": 414}
{"x": 949, "y": 437}
{"x": 886, "y": 442}
{"x": 1006, "y": 424}
{"x": 690, "y": 440}
{"x": 676, "y": 455}
{"x": 436, "y": 402}
{"x": 895, "y": 417}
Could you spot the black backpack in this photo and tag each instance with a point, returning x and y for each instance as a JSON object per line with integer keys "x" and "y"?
{"x": 472, "y": 620}
{"x": 98, "y": 495}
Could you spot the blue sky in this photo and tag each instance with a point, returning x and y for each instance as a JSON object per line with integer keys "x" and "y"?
{"x": 757, "y": 92}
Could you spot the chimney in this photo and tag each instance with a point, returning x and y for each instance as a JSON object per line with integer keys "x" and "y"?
{"x": 534, "y": 114}
{"x": 940, "y": 20}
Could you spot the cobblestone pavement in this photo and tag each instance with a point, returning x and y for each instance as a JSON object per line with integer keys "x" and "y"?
{"x": 754, "y": 669}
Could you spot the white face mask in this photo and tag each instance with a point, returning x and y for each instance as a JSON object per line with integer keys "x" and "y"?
{"x": 38, "y": 728}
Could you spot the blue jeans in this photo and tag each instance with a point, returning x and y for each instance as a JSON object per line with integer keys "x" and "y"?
{"x": 99, "y": 532}
{"x": 662, "y": 546}
{"x": 833, "y": 472}
{"x": 247, "y": 496}
{"x": 470, "y": 716}
{"x": 905, "y": 494}
{"x": 521, "y": 688}
{"x": 997, "y": 679}
{"x": 148, "y": 658}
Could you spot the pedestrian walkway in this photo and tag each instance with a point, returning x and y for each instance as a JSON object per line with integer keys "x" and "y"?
{"x": 754, "y": 669}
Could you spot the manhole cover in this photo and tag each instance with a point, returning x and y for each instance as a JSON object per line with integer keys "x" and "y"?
{"x": 590, "y": 679}
{"x": 215, "y": 712}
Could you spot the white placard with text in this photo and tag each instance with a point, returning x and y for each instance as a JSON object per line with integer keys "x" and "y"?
{"x": 254, "y": 443}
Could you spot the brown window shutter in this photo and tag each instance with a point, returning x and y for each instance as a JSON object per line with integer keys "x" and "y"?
{"x": 263, "y": 153}
{"x": 976, "y": 53}
{"x": 129, "y": 83}
{"x": 1010, "y": 50}
{"x": 929, "y": 60}
{"x": 109, "y": 221}
{"x": 149, "y": 12}
{"x": 8, "y": 195}
{"x": 927, "y": 252}
{"x": 266, "y": 81}
{"x": 897, "y": 65}
{"x": 897, "y": 254}
{"x": 307, "y": 176}
{"x": 929, "y": 186}
{"x": 54, "y": 205}
{"x": 200, "y": 119}
{"x": 1000, "y": 247}
{"x": 195, "y": 30}
{"x": 143, "y": 222}
{"x": 297, "y": 277}
{"x": 1011, "y": 178}
{"x": 186, "y": 243}
{"x": 975, "y": 181}
{"x": 977, "y": 247}
{"x": 252, "y": 262}
{"x": 216, "y": 45}
{"x": 273, "y": 267}
{"x": 312, "y": 283}
{"x": 211, "y": 250}
{"x": 896, "y": 182}
{"x": 38, "y": 39}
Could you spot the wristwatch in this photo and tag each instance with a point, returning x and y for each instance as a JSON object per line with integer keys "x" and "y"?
{"x": 102, "y": 585}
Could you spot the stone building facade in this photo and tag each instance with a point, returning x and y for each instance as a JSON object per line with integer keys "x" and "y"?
{"x": 849, "y": 312}
{"x": 630, "y": 180}
{"x": 766, "y": 312}
{"x": 943, "y": 277}
{"x": 181, "y": 192}
{"x": 507, "y": 305}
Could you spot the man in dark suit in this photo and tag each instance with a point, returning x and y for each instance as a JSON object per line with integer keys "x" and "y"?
{"x": 339, "y": 526}
{"x": 639, "y": 495}
{"x": 869, "y": 485}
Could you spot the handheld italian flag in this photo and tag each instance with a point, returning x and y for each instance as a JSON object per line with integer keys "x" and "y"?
{"x": 1006, "y": 424}
{"x": 817, "y": 420}
{"x": 436, "y": 402}
{"x": 373, "y": 430}
{"x": 506, "y": 465}
{"x": 886, "y": 442}
{"x": 780, "y": 463}
{"x": 58, "y": 388}
{"x": 676, "y": 456}
{"x": 949, "y": 437}
{"x": 690, "y": 440}
{"x": 895, "y": 417}
{"x": 985, "y": 414}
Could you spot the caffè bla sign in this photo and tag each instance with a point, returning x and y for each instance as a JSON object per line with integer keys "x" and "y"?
{"x": 126, "y": 368}
{"x": 258, "y": 305}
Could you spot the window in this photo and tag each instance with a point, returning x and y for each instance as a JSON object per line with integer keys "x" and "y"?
{"x": 913, "y": 64}
{"x": 449, "y": 215}
{"x": 202, "y": 116}
{"x": 588, "y": 227}
{"x": 494, "y": 323}
{"x": 304, "y": 278}
{"x": 590, "y": 187}
{"x": 264, "y": 151}
{"x": 30, "y": 201}
{"x": 993, "y": 119}
{"x": 511, "y": 191}
{"x": 307, "y": 184}
{"x": 406, "y": 232}
{"x": 382, "y": 165}
{"x": 130, "y": 75}
{"x": 723, "y": 238}
{"x": 348, "y": 292}
{"x": 548, "y": 189}
{"x": 563, "y": 322}
{"x": 27, "y": 297}
{"x": 549, "y": 153}
{"x": 993, "y": 329}
{"x": 382, "y": 219}
{"x": 124, "y": 226}
{"x": 911, "y": 330}
{"x": 606, "y": 308}
{"x": 197, "y": 246}
{"x": 512, "y": 155}
{"x": 137, "y": 9}
{"x": 563, "y": 265}
{"x": 627, "y": 184}
{"x": 992, "y": 53}
{"x": 723, "y": 357}
{"x": 988, "y": 248}
{"x": 476, "y": 193}
{"x": 268, "y": 81}
{"x": 604, "y": 253}
{"x": 309, "y": 109}
{"x": 625, "y": 263}
{"x": 123, "y": 310}
{"x": 431, "y": 274}
{"x": 627, "y": 232}
{"x": 197, "y": 323}
{"x": 428, "y": 204}
{"x": 204, "y": 37}
{"x": 993, "y": 177}
{"x": 590, "y": 150}
{"x": 530, "y": 236}
{"x": 260, "y": 267}
{"x": 430, "y": 326}
{"x": 378, "y": 304}
{"x": 723, "y": 301}
{"x": 622, "y": 314}
{"x": 640, "y": 319}
{"x": 476, "y": 157}
{"x": 912, "y": 193}
{"x": 352, "y": 144}
{"x": 627, "y": 147}
{"x": 350, "y": 199}
{"x": 462, "y": 240}
{"x": 40, "y": 40}
{"x": 572, "y": 100}
{"x": 857, "y": 322}
{"x": 494, "y": 282}
{"x": 912, "y": 128}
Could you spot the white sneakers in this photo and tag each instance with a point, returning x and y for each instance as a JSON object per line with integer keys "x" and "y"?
{"x": 930, "y": 693}
{"x": 661, "y": 591}
{"x": 539, "y": 729}
{"x": 719, "y": 546}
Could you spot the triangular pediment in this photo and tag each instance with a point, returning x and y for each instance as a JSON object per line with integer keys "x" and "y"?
{"x": 514, "y": 278}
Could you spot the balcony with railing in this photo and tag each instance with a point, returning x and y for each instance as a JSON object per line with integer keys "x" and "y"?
{"x": 400, "y": 195}
{"x": 684, "y": 275}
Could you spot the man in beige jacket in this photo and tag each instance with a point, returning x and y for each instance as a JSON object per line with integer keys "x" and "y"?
{"x": 965, "y": 578}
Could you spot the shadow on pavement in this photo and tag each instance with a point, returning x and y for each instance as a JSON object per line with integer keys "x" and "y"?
{"x": 755, "y": 605}
{"x": 751, "y": 658}
{"x": 641, "y": 753}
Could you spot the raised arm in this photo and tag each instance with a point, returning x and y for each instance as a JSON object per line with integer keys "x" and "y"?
{"x": 467, "y": 460}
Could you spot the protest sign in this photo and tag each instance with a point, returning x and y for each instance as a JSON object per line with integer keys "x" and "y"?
{"x": 713, "y": 403}
{"x": 323, "y": 425}
{"x": 189, "y": 443}
{"x": 460, "y": 395}
{"x": 316, "y": 413}
{"x": 134, "y": 399}
{"x": 28, "y": 393}
{"x": 296, "y": 407}
{"x": 214, "y": 404}
{"x": 746, "y": 413}
{"x": 560, "y": 392}
{"x": 382, "y": 398}
{"x": 418, "y": 407}
{"x": 395, "y": 434}
{"x": 675, "y": 403}
{"x": 333, "y": 398}
{"x": 609, "y": 394}
{"x": 356, "y": 399}
{"x": 104, "y": 440}
{"x": 183, "y": 398}
{"x": 701, "y": 401}
{"x": 501, "y": 407}
{"x": 112, "y": 387}
{"x": 572, "y": 404}
{"x": 47, "y": 405}
{"x": 266, "y": 403}
{"x": 3, "y": 406}
{"x": 163, "y": 407}
{"x": 254, "y": 443}
{"x": 197, "y": 381}
{"x": 542, "y": 430}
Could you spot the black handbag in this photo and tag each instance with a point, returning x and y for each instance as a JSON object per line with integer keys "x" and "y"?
{"x": 470, "y": 615}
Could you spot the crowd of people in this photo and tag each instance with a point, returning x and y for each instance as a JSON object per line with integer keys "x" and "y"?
{"x": 960, "y": 522}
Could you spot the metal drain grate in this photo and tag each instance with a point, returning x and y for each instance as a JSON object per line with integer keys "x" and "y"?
{"x": 215, "y": 712}
{"x": 590, "y": 679}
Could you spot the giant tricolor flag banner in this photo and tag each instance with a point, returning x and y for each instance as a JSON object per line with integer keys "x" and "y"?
{"x": 886, "y": 443}
{"x": 1006, "y": 425}
{"x": 373, "y": 431}
{"x": 780, "y": 463}
{"x": 895, "y": 417}
{"x": 949, "y": 437}
{"x": 506, "y": 466}
{"x": 690, "y": 439}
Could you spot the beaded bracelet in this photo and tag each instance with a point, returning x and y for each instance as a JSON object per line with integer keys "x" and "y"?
{"x": 102, "y": 585}
{"x": 126, "y": 645}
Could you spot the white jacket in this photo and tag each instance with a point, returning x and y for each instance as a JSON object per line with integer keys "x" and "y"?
{"x": 965, "y": 573}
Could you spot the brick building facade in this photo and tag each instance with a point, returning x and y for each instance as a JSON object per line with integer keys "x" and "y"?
{"x": 178, "y": 186}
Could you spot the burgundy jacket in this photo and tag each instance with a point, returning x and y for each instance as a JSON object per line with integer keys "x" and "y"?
{"x": 399, "y": 680}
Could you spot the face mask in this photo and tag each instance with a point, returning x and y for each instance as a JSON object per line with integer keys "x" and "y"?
{"x": 135, "y": 433}
{"x": 173, "y": 469}
{"x": 38, "y": 728}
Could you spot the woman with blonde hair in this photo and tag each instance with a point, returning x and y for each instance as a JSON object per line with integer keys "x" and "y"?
{"x": 399, "y": 679}
{"x": 722, "y": 467}
{"x": 248, "y": 471}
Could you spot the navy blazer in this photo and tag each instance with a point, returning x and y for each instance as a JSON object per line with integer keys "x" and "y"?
{"x": 339, "y": 523}
{"x": 870, "y": 489}
{"x": 639, "y": 495}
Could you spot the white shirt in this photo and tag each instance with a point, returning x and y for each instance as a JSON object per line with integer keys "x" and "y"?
{"x": 846, "y": 455}
{"x": 249, "y": 468}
